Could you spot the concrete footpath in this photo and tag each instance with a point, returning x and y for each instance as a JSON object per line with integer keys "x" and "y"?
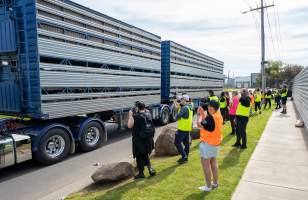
{"x": 278, "y": 169}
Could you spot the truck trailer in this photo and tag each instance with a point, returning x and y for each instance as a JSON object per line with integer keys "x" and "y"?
{"x": 65, "y": 70}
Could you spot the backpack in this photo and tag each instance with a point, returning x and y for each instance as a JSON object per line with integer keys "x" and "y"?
{"x": 148, "y": 130}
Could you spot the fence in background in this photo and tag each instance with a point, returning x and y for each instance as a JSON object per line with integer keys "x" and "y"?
{"x": 300, "y": 94}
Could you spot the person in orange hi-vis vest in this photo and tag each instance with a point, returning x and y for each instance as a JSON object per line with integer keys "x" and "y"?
{"x": 210, "y": 125}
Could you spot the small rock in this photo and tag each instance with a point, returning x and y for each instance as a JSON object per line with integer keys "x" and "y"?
{"x": 113, "y": 172}
{"x": 299, "y": 124}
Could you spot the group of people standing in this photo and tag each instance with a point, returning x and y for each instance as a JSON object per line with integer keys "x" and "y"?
{"x": 210, "y": 119}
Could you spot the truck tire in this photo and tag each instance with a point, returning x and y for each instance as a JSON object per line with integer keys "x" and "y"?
{"x": 173, "y": 115}
{"x": 164, "y": 116}
{"x": 92, "y": 136}
{"x": 54, "y": 147}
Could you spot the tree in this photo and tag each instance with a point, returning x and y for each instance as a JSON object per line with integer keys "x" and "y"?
{"x": 278, "y": 73}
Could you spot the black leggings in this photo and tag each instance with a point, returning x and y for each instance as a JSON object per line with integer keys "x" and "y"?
{"x": 233, "y": 124}
{"x": 268, "y": 101}
{"x": 142, "y": 161}
{"x": 241, "y": 124}
{"x": 257, "y": 106}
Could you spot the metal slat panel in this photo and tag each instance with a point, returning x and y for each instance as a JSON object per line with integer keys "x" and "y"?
{"x": 195, "y": 53}
{"x": 300, "y": 95}
{"x": 192, "y": 65}
{"x": 88, "y": 42}
{"x": 71, "y": 108}
{"x": 194, "y": 56}
{"x": 203, "y": 63}
{"x": 51, "y": 79}
{"x": 71, "y": 68}
{"x": 76, "y": 52}
{"x": 194, "y": 71}
{"x": 104, "y": 19}
{"x": 193, "y": 83}
{"x": 75, "y": 27}
{"x": 68, "y": 16}
{"x": 52, "y": 97}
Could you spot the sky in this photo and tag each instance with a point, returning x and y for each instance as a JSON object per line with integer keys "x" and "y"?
{"x": 219, "y": 29}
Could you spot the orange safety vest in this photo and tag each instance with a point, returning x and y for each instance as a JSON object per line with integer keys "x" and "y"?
{"x": 252, "y": 99}
{"x": 213, "y": 138}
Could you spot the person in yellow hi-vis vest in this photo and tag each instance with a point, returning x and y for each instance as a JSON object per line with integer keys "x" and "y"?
{"x": 284, "y": 98}
{"x": 185, "y": 120}
{"x": 212, "y": 96}
{"x": 268, "y": 99}
{"x": 223, "y": 106}
{"x": 242, "y": 116}
{"x": 258, "y": 99}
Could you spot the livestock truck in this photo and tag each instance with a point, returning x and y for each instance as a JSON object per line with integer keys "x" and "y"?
{"x": 65, "y": 70}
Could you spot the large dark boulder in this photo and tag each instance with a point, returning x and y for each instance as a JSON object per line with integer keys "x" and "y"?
{"x": 164, "y": 145}
{"x": 113, "y": 172}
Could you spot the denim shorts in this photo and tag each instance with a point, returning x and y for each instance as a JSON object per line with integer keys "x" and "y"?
{"x": 208, "y": 151}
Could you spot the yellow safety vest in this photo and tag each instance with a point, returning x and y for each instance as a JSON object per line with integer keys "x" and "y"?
{"x": 223, "y": 104}
{"x": 214, "y": 98}
{"x": 186, "y": 124}
{"x": 258, "y": 97}
{"x": 268, "y": 96}
{"x": 243, "y": 110}
{"x": 284, "y": 94}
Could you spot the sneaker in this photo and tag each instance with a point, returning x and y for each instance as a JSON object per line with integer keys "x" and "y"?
{"x": 152, "y": 172}
{"x": 139, "y": 176}
{"x": 182, "y": 161}
{"x": 205, "y": 188}
{"x": 236, "y": 145}
{"x": 214, "y": 186}
{"x": 243, "y": 147}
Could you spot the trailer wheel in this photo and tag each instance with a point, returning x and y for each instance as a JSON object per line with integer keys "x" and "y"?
{"x": 165, "y": 116}
{"x": 92, "y": 136}
{"x": 54, "y": 147}
{"x": 173, "y": 115}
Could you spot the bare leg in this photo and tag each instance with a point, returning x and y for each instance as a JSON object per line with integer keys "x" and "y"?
{"x": 207, "y": 171}
{"x": 214, "y": 170}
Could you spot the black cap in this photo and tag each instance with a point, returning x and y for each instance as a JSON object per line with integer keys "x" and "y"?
{"x": 214, "y": 104}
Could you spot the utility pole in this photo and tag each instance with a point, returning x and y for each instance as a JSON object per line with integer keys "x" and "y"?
{"x": 263, "y": 62}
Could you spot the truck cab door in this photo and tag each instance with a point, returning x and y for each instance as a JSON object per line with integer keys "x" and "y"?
{"x": 10, "y": 98}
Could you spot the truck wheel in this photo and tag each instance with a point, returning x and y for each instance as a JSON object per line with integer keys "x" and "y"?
{"x": 173, "y": 115}
{"x": 91, "y": 136}
{"x": 165, "y": 116}
{"x": 54, "y": 147}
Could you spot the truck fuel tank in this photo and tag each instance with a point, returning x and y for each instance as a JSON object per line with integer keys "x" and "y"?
{"x": 15, "y": 148}
{"x": 7, "y": 153}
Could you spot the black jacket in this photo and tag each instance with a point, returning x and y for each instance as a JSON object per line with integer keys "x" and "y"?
{"x": 141, "y": 146}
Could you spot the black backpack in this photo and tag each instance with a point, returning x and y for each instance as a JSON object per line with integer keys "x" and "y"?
{"x": 148, "y": 130}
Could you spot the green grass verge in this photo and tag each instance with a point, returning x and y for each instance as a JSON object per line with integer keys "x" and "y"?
{"x": 182, "y": 182}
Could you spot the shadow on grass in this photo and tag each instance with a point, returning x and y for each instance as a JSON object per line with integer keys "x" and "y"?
{"x": 231, "y": 159}
{"x": 118, "y": 192}
{"x": 197, "y": 196}
{"x": 227, "y": 138}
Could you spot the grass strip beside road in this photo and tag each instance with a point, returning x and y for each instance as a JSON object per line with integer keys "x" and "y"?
{"x": 182, "y": 182}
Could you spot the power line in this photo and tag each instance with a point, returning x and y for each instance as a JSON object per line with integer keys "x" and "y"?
{"x": 279, "y": 32}
{"x": 263, "y": 62}
{"x": 271, "y": 35}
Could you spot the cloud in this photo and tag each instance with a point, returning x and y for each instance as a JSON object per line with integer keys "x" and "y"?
{"x": 219, "y": 28}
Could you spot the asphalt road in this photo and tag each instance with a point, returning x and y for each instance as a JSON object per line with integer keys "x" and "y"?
{"x": 30, "y": 181}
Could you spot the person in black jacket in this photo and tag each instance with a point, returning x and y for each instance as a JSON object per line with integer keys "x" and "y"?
{"x": 142, "y": 146}
{"x": 242, "y": 116}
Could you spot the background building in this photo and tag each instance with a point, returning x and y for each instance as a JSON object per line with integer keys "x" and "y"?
{"x": 243, "y": 82}
{"x": 254, "y": 77}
